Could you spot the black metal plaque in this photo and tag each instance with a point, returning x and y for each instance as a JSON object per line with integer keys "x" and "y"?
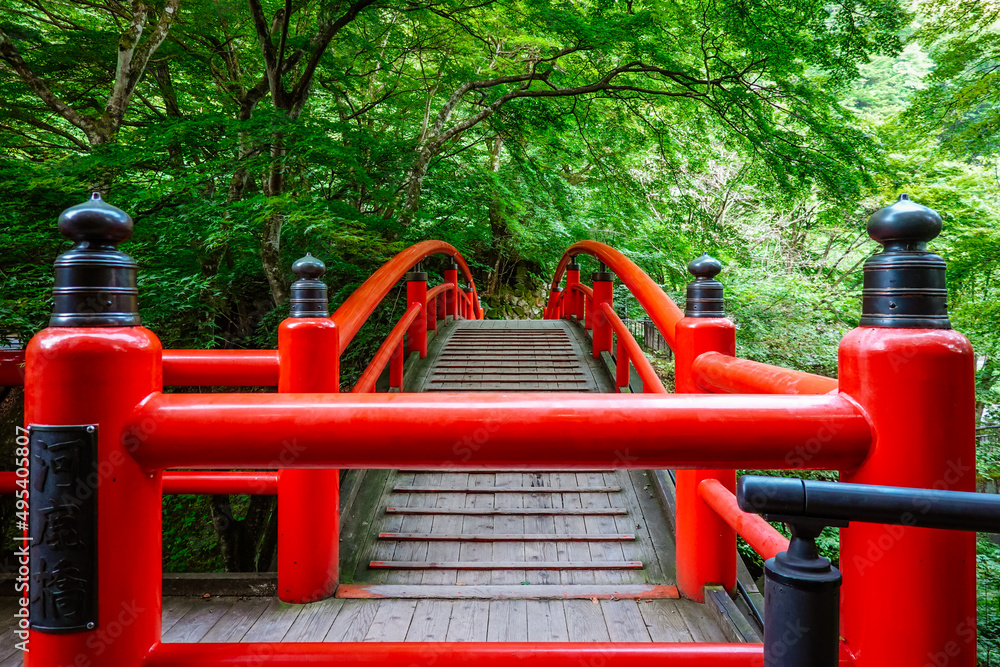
{"x": 62, "y": 525}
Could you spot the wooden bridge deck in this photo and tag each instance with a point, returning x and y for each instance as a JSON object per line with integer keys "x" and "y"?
{"x": 472, "y": 555}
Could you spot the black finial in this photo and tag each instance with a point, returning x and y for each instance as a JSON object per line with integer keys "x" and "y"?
{"x": 704, "y": 293}
{"x": 573, "y": 266}
{"x": 904, "y": 284}
{"x": 417, "y": 273}
{"x": 308, "y": 292}
{"x": 94, "y": 281}
{"x": 705, "y": 266}
{"x": 602, "y": 274}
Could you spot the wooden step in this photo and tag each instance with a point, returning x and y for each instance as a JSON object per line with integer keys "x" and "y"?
{"x": 514, "y": 511}
{"x": 509, "y": 592}
{"x": 507, "y": 565}
{"x": 508, "y": 489}
{"x": 504, "y": 381}
{"x": 540, "y": 471}
{"x": 510, "y": 537}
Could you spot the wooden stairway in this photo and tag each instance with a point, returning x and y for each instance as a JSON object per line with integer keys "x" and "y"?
{"x": 512, "y": 533}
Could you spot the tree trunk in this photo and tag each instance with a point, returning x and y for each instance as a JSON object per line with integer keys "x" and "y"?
{"x": 248, "y": 544}
{"x": 414, "y": 182}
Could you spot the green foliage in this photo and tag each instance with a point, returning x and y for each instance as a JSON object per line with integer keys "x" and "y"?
{"x": 189, "y": 541}
{"x": 988, "y": 616}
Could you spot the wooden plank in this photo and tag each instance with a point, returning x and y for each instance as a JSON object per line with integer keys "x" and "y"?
{"x": 625, "y": 622}
{"x": 274, "y": 623}
{"x": 430, "y": 621}
{"x": 508, "y": 592}
{"x": 174, "y": 609}
{"x": 571, "y": 524}
{"x": 605, "y": 511}
{"x": 353, "y": 621}
{"x": 585, "y": 621}
{"x": 665, "y": 621}
{"x": 598, "y": 506}
{"x": 376, "y": 548}
{"x": 506, "y": 537}
{"x": 445, "y": 551}
{"x": 235, "y": 623}
{"x": 477, "y": 551}
{"x": 508, "y": 524}
{"x": 508, "y": 621}
{"x": 700, "y": 624}
{"x": 540, "y": 523}
{"x": 314, "y": 621}
{"x": 392, "y": 620}
{"x": 360, "y": 521}
{"x": 734, "y": 625}
{"x": 547, "y": 621}
{"x": 506, "y": 565}
{"x": 198, "y": 620}
{"x": 8, "y": 631}
{"x": 416, "y": 521}
{"x": 660, "y": 553}
{"x": 517, "y": 489}
{"x": 469, "y": 621}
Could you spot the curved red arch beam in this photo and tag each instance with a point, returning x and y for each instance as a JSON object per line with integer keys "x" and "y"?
{"x": 359, "y": 306}
{"x": 658, "y": 306}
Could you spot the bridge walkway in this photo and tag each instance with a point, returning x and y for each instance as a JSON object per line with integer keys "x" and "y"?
{"x": 486, "y": 555}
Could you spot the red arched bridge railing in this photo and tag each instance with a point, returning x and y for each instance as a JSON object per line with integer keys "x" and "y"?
{"x": 902, "y": 414}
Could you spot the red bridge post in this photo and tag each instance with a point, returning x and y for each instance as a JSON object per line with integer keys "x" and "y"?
{"x": 451, "y": 296}
{"x": 308, "y": 500}
{"x": 552, "y": 310}
{"x": 573, "y": 298}
{"x": 603, "y": 293}
{"x": 909, "y": 594}
{"x": 416, "y": 293}
{"x": 95, "y": 515}
{"x": 706, "y": 545}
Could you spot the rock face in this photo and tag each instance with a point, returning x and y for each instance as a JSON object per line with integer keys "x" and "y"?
{"x": 515, "y": 303}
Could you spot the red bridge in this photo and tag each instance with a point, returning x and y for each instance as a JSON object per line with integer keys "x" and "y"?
{"x": 512, "y": 494}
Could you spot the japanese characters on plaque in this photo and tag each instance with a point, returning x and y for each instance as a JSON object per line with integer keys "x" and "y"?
{"x": 63, "y": 528}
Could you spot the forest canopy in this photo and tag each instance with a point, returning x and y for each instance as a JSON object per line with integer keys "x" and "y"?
{"x": 240, "y": 134}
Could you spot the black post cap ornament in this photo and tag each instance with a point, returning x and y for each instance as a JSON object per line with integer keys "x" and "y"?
{"x": 704, "y": 293}
{"x": 95, "y": 283}
{"x": 904, "y": 284}
{"x": 308, "y": 292}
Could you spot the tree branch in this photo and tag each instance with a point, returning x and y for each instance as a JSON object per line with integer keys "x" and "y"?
{"x": 13, "y": 58}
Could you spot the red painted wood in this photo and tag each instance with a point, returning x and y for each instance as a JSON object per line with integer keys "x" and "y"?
{"x": 509, "y": 592}
{"x": 515, "y": 511}
{"x": 759, "y": 534}
{"x": 506, "y": 565}
{"x": 507, "y": 489}
{"x": 510, "y": 537}
{"x": 537, "y": 429}
{"x": 456, "y": 654}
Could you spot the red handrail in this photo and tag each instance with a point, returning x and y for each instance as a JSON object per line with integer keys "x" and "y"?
{"x": 759, "y": 534}
{"x": 263, "y": 483}
{"x": 255, "y": 483}
{"x": 580, "y": 287}
{"x": 220, "y": 368}
{"x": 434, "y": 292}
{"x": 722, "y": 374}
{"x": 661, "y": 310}
{"x": 366, "y": 382}
{"x": 11, "y": 368}
{"x": 650, "y": 381}
{"x": 359, "y": 306}
{"x": 543, "y": 430}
